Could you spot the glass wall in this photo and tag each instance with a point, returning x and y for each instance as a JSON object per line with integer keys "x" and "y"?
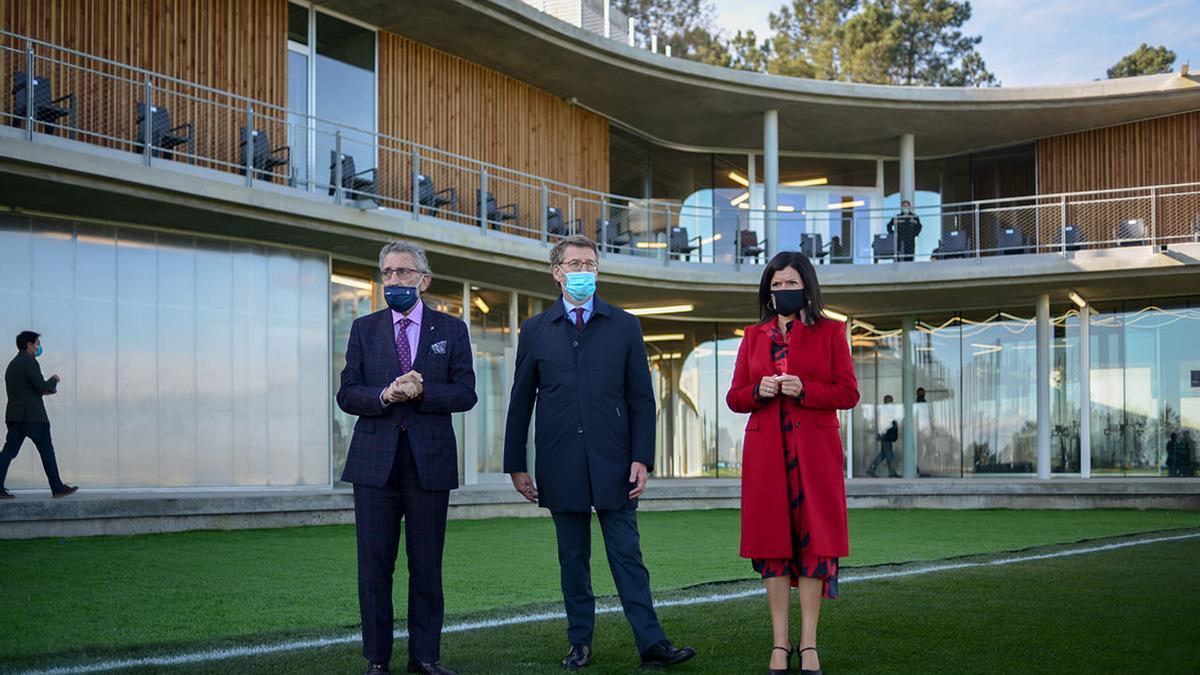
{"x": 1145, "y": 388}
{"x": 185, "y": 361}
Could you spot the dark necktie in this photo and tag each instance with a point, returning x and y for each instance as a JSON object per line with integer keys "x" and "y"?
{"x": 579, "y": 318}
{"x": 403, "y": 351}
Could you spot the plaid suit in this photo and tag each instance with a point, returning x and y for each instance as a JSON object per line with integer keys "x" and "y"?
{"x": 403, "y": 462}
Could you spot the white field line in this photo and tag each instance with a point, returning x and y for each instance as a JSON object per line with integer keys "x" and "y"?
{"x": 193, "y": 658}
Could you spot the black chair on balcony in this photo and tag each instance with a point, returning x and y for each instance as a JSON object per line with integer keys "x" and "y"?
{"x": 812, "y": 245}
{"x": 46, "y": 108}
{"x": 614, "y": 236}
{"x": 749, "y": 247}
{"x": 883, "y": 247}
{"x": 263, "y": 158}
{"x": 430, "y": 197}
{"x": 1011, "y": 241}
{"x": 953, "y": 245}
{"x": 1131, "y": 232}
{"x": 556, "y": 225}
{"x": 164, "y": 138}
{"x": 496, "y": 213}
{"x": 357, "y": 184}
{"x": 1073, "y": 238}
{"x": 681, "y": 244}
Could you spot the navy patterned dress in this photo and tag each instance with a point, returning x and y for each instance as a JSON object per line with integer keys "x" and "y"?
{"x": 803, "y": 563}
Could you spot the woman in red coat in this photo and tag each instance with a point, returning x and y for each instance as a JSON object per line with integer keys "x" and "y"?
{"x": 793, "y": 373}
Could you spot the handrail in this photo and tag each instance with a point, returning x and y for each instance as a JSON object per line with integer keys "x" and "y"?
{"x": 1047, "y": 214}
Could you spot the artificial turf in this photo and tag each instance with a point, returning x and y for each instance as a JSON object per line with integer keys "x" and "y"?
{"x": 113, "y": 595}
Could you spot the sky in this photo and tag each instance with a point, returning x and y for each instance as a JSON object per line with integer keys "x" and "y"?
{"x": 1032, "y": 42}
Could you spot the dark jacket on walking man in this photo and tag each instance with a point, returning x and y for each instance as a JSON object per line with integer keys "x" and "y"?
{"x": 25, "y": 413}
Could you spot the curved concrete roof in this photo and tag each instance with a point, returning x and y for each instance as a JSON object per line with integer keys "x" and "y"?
{"x": 690, "y": 104}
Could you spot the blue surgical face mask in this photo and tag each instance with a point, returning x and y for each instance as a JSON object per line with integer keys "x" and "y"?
{"x": 401, "y": 298}
{"x": 39, "y": 351}
{"x": 580, "y": 285}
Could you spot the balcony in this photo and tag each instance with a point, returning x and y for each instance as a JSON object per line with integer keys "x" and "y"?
{"x": 83, "y": 100}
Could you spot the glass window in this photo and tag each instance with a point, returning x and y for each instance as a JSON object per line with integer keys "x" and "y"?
{"x": 297, "y": 24}
{"x": 345, "y": 93}
{"x": 351, "y": 291}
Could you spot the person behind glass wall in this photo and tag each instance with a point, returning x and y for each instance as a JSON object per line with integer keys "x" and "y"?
{"x": 793, "y": 373}
{"x": 408, "y": 367}
{"x": 886, "y": 441}
{"x": 921, "y": 395}
{"x": 583, "y": 363}
{"x": 25, "y": 414}
{"x": 906, "y": 226}
{"x": 1179, "y": 455}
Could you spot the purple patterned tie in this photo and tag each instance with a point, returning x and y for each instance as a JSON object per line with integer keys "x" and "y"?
{"x": 579, "y": 324}
{"x": 402, "y": 349}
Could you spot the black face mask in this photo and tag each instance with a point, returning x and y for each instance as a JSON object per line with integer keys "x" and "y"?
{"x": 788, "y": 302}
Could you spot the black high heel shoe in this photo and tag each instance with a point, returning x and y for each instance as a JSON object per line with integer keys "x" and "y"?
{"x": 802, "y": 669}
{"x": 790, "y": 651}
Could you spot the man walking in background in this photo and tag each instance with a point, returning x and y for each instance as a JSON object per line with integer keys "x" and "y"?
{"x": 25, "y": 414}
{"x": 583, "y": 363}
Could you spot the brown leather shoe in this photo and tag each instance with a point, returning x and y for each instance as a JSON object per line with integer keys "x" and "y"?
{"x": 66, "y": 491}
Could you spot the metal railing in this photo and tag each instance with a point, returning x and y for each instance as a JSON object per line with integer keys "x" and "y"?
{"x": 168, "y": 121}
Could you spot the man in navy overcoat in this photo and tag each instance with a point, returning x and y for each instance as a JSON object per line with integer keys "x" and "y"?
{"x": 408, "y": 367}
{"x": 582, "y": 362}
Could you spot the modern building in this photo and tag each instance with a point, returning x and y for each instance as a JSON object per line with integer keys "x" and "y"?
{"x": 193, "y": 194}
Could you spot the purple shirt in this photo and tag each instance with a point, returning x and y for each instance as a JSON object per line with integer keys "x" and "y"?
{"x": 413, "y": 334}
{"x": 414, "y": 327}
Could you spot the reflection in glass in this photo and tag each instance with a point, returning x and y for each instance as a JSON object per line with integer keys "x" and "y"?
{"x": 345, "y": 90}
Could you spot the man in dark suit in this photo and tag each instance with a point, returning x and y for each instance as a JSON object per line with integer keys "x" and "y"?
{"x": 583, "y": 363}
{"x": 906, "y": 226}
{"x": 408, "y": 367}
{"x": 25, "y": 413}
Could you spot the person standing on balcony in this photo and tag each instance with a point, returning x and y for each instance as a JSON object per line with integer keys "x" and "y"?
{"x": 25, "y": 413}
{"x": 906, "y": 226}
{"x": 583, "y": 364}
{"x": 793, "y": 373}
{"x": 408, "y": 367}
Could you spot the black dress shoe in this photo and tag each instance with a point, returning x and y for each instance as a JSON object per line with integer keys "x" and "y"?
{"x": 376, "y": 669}
{"x": 578, "y": 657}
{"x": 434, "y": 668}
{"x": 66, "y": 490}
{"x": 803, "y": 671}
{"x": 666, "y": 654}
{"x": 5, "y": 494}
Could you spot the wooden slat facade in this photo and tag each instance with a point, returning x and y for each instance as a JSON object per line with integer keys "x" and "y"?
{"x": 236, "y": 46}
{"x": 439, "y": 100}
{"x": 1161, "y": 151}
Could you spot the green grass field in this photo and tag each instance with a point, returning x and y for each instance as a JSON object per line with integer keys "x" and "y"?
{"x": 114, "y": 597}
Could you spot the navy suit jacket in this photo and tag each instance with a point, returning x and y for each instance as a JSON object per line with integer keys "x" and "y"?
{"x": 595, "y": 407}
{"x": 445, "y": 361}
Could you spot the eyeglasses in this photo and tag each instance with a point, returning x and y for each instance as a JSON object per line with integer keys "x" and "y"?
{"x": 401, "y": 273}
{"x": 579, "y": 265}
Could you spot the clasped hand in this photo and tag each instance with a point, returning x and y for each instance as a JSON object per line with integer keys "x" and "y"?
{"x": 788, "y": 385}
{"x": 405, "y": 388}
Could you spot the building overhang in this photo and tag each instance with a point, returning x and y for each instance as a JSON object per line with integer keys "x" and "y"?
{"x": 77, "y": 180}
{"x": 692, "y": 105}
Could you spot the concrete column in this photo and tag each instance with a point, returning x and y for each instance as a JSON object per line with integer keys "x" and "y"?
{"x": 908, "y": 395}
{"x": 771, "y": 180}
{"x": 908, "y": 168}
{"x": 1085, "y": 391}
{"x": 1043, "y": 387}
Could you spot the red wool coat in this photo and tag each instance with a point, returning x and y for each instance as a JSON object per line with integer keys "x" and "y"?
{"x": 820, "y": 356}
